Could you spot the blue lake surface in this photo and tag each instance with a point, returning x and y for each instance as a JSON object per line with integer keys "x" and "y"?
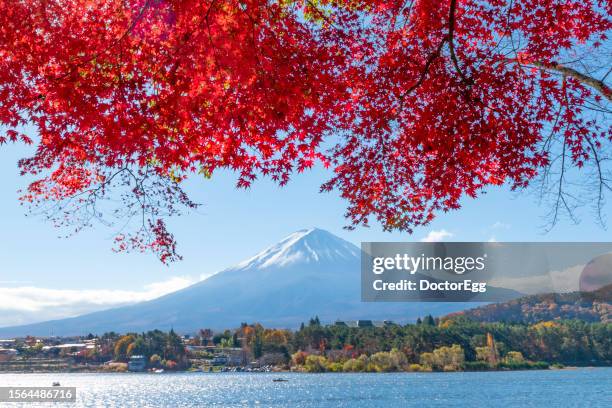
{"x": 585, "y": 387}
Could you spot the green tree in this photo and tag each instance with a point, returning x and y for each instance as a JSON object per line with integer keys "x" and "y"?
{"x": 429, "y": 320}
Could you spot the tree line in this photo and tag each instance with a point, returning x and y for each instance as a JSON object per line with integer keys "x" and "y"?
{"x": 430, "y": 344}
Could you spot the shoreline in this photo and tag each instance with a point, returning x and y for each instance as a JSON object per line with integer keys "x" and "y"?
{"x": 97, "y": 371}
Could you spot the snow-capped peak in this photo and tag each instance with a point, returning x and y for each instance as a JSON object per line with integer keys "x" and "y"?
{"x": 304, "y": 246}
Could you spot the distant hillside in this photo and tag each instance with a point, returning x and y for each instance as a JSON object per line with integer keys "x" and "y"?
{"x": 588, "y": 306}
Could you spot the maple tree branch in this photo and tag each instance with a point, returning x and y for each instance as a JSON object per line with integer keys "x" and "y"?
{"x": 596, "y": 84}
{"x": 451, "y": 46}
{"x": 603, "y": 182}
{"x": 210, "y": 37}
{"x": 560, "y": 200}
{"x": 132, "y": 25}
{"x": 564, "y": 201}
{"x": 432, "y": 57}
{"x": 607, "y": 73}
{"x": 323, "y": 16}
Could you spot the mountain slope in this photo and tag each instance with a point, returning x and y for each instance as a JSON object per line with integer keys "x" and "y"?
{"x": 588, "y": 306}
{"x": 310, "y": 272}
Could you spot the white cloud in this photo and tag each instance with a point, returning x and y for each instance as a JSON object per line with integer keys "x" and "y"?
{"x": 437, "y": 235}
{"x": 29, "y": 304}
{"x": 492, "y": 239}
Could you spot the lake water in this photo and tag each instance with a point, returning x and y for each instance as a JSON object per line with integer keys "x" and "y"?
{"x": 588, "y": 387}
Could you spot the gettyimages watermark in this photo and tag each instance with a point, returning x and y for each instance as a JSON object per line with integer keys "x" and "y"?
{"x": 481, "y": 271}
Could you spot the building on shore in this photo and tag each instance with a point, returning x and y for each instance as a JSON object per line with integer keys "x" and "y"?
{"x": 363, "y": 323}
{"x": 7, "y": 354}
{"x": 137, "y": 363}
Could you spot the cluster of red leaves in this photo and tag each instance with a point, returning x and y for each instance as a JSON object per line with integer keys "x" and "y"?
{"x": 155, "y": 238}
{"x": 421, "y": 101}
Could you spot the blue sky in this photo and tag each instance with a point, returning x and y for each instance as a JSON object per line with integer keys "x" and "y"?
{"x": 230, "y": 226}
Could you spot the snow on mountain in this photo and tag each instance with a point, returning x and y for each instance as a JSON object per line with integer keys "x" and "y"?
{"x": 306, "y": 246}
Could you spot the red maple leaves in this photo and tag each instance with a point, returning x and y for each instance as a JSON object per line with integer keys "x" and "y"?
{"x": 413, "y": 104}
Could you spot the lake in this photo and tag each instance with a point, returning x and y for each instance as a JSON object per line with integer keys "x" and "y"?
{"x": 585, "y": 387}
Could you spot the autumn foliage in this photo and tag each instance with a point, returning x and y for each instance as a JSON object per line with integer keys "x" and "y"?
{"x": 411, "y": 104}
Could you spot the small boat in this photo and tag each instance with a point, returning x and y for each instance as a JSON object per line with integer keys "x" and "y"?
{"x": 56, "y": 383}
{"x": 280, "y": 380}
{"x": 158, "y": 371}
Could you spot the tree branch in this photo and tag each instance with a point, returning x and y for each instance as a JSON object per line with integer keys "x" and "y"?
{"x": 596, "y": 84}
{"x": 432, "y": 57}
{"x": 451, "y": 45}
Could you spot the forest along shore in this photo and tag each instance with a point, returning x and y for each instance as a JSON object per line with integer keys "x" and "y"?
{"x": 454, "y": 343}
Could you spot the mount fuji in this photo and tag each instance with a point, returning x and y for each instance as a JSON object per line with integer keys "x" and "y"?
{"x": 310, "y": 272}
